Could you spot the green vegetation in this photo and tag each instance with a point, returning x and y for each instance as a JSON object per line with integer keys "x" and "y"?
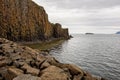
{"x": 45, "y": 45}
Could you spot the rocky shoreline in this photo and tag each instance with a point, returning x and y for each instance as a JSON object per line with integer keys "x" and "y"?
{"x": 24, "y": 63}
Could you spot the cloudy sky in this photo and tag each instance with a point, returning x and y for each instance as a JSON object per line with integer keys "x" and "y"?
{"x": 81, "y": 16}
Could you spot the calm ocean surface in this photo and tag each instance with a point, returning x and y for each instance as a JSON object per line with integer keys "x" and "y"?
{"x": 98, "y": 54}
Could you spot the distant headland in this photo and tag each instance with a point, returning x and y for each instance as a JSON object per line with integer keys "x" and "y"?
{"x": 89, "y": 33}
{"x": 118, "y": 32}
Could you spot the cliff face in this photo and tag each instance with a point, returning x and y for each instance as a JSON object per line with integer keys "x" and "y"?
{"x": 25, "y": 20}
{"x": 59, "y": 32}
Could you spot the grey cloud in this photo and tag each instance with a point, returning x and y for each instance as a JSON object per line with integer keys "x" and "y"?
{"x": 80, "y": 16}
{"x": 86, "y": 4}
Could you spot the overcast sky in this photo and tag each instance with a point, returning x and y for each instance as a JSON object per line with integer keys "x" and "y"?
{"x": 81, "y": 16}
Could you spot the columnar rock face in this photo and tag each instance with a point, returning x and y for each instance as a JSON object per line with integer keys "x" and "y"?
{"x": 59, "y": 32}
{"x": 24, "y": 20}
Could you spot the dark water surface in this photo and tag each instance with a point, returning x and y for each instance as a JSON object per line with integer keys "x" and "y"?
{"x": 98, "y": 54}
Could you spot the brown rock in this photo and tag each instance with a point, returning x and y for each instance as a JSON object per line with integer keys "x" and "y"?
{"x": 59, "y": 31}
{"x": 77, "y": 77}
{"x": 54, "y": 73}
{"x": 19, "y": 63}
{"x": 7, "y": 75}
{"x": 15, "y": 56}
{"x": 30, "y": 50}
{"x": 73, "y": 69}
{"x": 44, "y": 65}
{"x": 26, "y": 77}
{"x": 52, "y": 61}
{"x": 15, "y": 71}
{"x": 30, "y": 70}
{"x": 2, "y": 61}
{"x": 88, "y": 76}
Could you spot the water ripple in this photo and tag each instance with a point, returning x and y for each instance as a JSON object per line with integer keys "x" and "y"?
{"x": 97, "y": 54}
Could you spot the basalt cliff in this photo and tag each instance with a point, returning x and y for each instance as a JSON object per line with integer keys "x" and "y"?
{"x": 24, "y": 20}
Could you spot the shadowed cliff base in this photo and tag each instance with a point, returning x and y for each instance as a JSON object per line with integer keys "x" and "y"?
{"x": 46, "y": 45}
{"x": 24, "y": 20}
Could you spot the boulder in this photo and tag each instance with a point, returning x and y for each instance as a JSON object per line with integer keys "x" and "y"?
{"x": 60, "y": 32}
{"x": 15, "y": 71}
{"x": 77, "y": 77}
{"x": 29, "y": 70}
{"x": 44, "y": 65}
{"x": 26, "y": 77}
{"x": 40, "y": 58}
{"x": 15, "y": 56}
{"x": 54, "y": 73}
{"x": 74, "y": 70}
{"x": 18, "y": 63}
{"x": 5, "y": 74}
{"x": 6, "y": 48}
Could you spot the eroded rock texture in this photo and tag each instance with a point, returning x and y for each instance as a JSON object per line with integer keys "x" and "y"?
{"x": 23, "y": 63}
{"x": 25, "y": 20}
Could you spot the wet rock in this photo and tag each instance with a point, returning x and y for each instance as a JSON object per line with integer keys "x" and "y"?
{"x": 26, "y": 77}
{"x": 7, "y": 48}
{"x": 40, "y": 58}
{"x": 74, "y": 70}
{"x": 30, "y": 50}
{"x": 87, "y": 76}
{"x": 52, "y": 61}
{"x": 29, "y": 70}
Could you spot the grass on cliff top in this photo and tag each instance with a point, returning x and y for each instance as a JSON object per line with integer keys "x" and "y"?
{"x": 45, "y": 45}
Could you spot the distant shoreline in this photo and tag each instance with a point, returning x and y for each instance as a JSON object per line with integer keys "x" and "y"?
{"x": 89, "y": 33}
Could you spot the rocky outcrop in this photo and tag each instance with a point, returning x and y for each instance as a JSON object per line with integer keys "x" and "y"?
{"x": 59, "y": 32}
{"x": 23, "y": 63}
{"x": 24, "y": 20}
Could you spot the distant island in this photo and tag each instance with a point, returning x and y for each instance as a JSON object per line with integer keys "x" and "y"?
{"x": 89, "y": 33}
{"x": 118, "y": 32}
